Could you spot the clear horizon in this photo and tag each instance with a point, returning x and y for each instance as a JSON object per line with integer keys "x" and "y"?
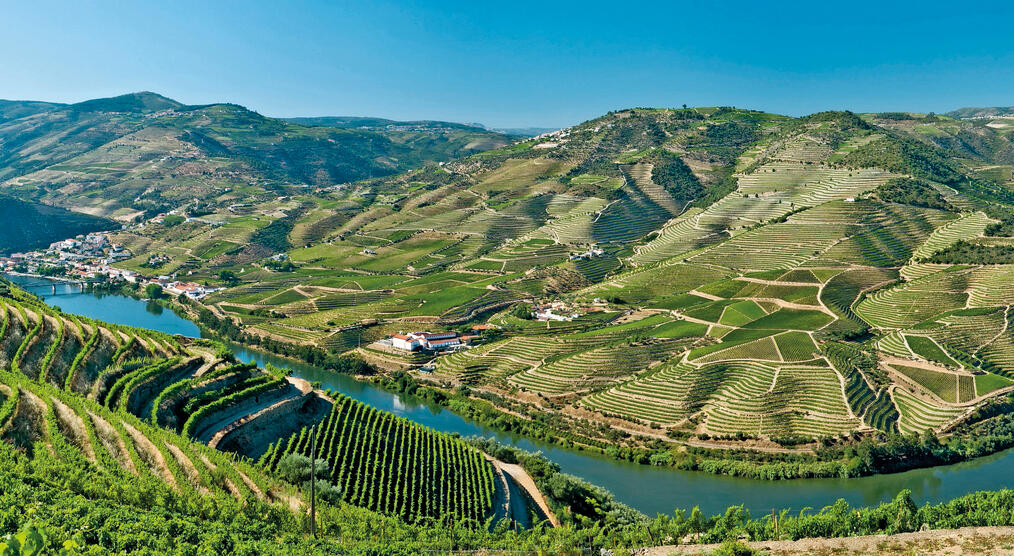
{"x": 533, "y": 65}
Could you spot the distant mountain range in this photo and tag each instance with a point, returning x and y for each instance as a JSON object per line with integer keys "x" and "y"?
{"x": 383, "y": 124}
{"x": 145, "y": 153}
{"x": 969, "y": 113}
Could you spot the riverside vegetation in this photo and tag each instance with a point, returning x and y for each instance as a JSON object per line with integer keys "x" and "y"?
{"x": 770, "y": 297}
{"x": 757, "y": 295}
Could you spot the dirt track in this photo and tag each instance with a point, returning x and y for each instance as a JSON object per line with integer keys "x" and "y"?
{"x": 524, "y": 480}
{"x": 968, "y": 540}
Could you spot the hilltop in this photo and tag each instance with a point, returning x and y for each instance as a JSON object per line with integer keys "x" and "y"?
{"x": 712, "y": 288}
{"x": 445, "y": 140}
{"x": 971, "y": 113}
{"x": 143, "y": 153}
{"x": 706, "y": 278}
{"x": 719, "y": 258}
{"x": 359, "y": 122}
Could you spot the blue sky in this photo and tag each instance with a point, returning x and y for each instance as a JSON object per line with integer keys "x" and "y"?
{"x": 514, "y": 63}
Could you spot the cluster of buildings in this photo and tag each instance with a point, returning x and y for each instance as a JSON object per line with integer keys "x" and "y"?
{"x": 429, "y": 341}
{"x": 90, "y": 257}
{"x": 192, "y": 290}
{"x": 554, "y": 311}
{"x": 87, "y": 247}
{"x": 437, "y": 341}
{"x": 593, "y": 252}
{"x": 84, "y": 256}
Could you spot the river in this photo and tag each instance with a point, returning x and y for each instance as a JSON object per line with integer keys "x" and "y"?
{"x": 649, "y": 489}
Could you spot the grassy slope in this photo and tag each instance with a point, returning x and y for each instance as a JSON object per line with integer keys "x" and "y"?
{"x": 146, "y": 152}
{"x": 25, "y": 226}
{"x": 679, "y": 200}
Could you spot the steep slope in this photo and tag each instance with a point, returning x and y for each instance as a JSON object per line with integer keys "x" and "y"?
{"x": 701, "y": 273}
{"x": 742, "y": 242}
{"x": 979, "y": 139}
{"x": 426, "y": 140}
{"x": 25, "y": 226}
{"x": 145, "y": 153}
{"x": 970, "y": 112}
{"x": 14, "y": 109}
{"x": 134, "y": 397}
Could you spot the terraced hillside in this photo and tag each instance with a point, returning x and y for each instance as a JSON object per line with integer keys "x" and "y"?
{"x": 138, "y": 397}
{"x": 718, "y": 275}
{"x": 125, "y": 156}
{"x": 176, "y": 383}
{"x": 78, "y": 430}
{"x": 393, "y": 466}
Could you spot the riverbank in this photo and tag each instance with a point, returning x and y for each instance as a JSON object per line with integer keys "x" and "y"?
{"x": 858, "y": 455}
{"x": 649, "y": 489}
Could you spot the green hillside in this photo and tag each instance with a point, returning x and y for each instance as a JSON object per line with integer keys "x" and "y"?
{"x": 14, "y": 109}
{"x": 820, "y": 294}
{"x": 25, "y": 225}
{"x": 741, "y": 241}
{"x": 144, "y": 153}
{"x": 393, "y": 466}
{"x": 970, "y": 112}
{"x": 422, "y": 141}
{"x": 737, "y": 277}
{"x": 191, "y": 389}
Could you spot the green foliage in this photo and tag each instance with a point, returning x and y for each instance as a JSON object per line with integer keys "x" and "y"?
{"x": 929, "y": 349}
{"x": 675, "y": 176}
{"x": 10, "y": 403}
{"x": 964, "y": 252}
{"x": 1005, "y": 226}
{"x": 912, "y": 191}
{"x": 522, "y": 311}
{"x": 796, "y": 319}
{"x": 153, "y": 291}
{"x": 905, "y": 156}
{"x": 295, "y": 468}
{"x": 280, "y": 266}
{"x": 171, "y": 220}
{"x": 32, "y": 540}
{"x": 228, "y": 276}
{"x": 389, "y": 465}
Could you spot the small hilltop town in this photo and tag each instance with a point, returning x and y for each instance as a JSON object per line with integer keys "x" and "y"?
{"x": 91, "y": 258}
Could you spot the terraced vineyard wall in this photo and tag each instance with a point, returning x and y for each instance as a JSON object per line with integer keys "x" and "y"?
{"x": 135, "y": 396}
{"x": 740, "y": 279}
{"x": 123, "y": 447}
{"x": 394, "y": 466}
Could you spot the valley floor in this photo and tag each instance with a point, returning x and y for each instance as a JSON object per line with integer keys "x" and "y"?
{"x": 967, "y": 540}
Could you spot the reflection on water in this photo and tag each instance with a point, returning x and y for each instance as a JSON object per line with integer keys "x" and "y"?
{"x": 651, "y": 490}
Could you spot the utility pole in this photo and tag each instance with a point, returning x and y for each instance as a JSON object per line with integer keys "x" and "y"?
{"x": 313, "y": 481}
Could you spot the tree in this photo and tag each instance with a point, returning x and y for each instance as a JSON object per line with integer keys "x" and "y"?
{"x": 153, "y": 291}
{"x": 522, "y": 311}
{"x": 228, "y": 277}
{"x": 328, "y": 492}
{"x": 173, "y": 220}
{"x": 295, "y": 468}
{"x": 696, "y": 521}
